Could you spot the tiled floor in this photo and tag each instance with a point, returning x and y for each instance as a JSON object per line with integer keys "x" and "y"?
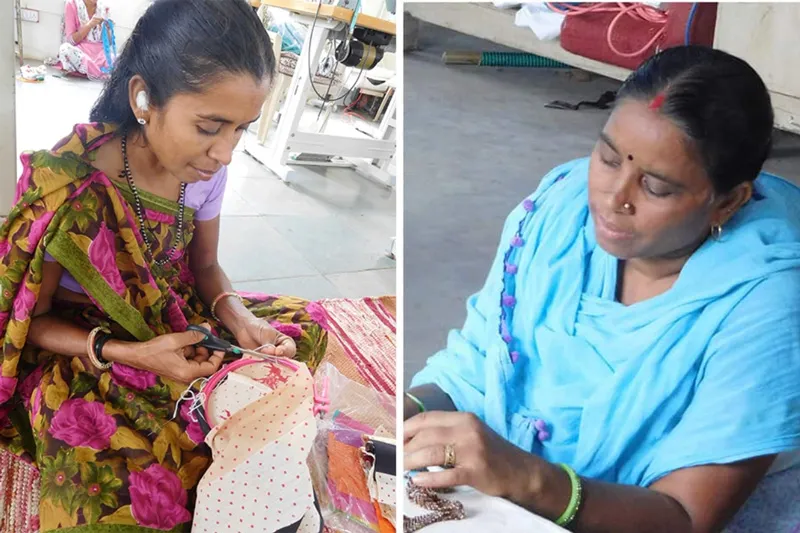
{"x": 324, "y": 237}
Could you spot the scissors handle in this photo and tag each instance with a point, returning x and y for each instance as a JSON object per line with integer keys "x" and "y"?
{"x": 212, "y": 342}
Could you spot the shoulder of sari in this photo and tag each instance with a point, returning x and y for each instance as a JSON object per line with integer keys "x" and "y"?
{"x": 55, "y": 174}
{"x": 84, "y": 140}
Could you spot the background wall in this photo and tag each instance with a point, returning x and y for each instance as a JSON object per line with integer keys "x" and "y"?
{"x": 42, "y": 39}
{"x": 8, "y": 145}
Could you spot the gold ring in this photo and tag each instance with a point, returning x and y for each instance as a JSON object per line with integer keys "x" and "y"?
{"x": 450, "y": 456}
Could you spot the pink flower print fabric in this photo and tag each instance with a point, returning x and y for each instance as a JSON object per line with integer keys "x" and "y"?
{"x": 132, "y": 378}
{"x": 81, "y": 423}
{"x": 103, "y": 256}
{"x": 158, "y": 500}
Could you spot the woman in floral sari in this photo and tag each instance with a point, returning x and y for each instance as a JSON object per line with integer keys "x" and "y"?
{"x": 110, "y": 252}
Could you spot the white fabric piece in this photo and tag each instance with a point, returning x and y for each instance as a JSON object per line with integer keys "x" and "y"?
{"x": 544, "y": 23}
{"x": 237, "y": 497}
{"x": 262, "y": 431}
{"x": 311, "y": 522}
{"x": 386, "y": 488}
{"x": 486, "y": 513}
{"x": 233, "y": 394}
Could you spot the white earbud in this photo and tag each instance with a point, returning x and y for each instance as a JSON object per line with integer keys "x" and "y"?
{"x": 143, "y": 104}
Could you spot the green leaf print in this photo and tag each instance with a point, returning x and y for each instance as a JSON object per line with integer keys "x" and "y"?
{"x": 99, "y": 486}
{"x": 30, "y": 196}
{"x": 6, "y": 292}
{"x": 81, "y": 384}
{"x": 138, "y": 409}
{"x": 57, "y": 474}
{"x": 67, "y": 164}
{"x": 16, "y": 271}
{"x": 83, "y": 213}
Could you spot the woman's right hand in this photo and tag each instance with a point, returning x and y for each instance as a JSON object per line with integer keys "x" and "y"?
{"x": 172, "y": 356}
{"x": 96, "y": 21}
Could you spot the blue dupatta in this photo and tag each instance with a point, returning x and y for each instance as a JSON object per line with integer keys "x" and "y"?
{"x": 707, "y": 372}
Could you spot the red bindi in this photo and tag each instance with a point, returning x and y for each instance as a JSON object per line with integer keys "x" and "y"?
{"x": 657, "y": 102}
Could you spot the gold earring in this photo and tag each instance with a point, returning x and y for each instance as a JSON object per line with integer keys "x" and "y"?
{"x": 716, "y": 231}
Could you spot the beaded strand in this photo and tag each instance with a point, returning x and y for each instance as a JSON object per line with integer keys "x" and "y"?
{"x": 137, "y": 201}
{"x": 443, "y": 509}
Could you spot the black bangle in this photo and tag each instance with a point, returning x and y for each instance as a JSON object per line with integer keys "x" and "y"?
{"x": 99, "y": 341}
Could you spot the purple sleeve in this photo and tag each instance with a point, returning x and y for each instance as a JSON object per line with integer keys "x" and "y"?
{"x": 212, "y": 206}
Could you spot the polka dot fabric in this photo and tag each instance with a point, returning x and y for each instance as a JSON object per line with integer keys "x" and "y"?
{"x": 386, "y": 488}
{"x": 312, "y": 522}
{"x": 232, "y": 395}
{"x": 259, "y": 479}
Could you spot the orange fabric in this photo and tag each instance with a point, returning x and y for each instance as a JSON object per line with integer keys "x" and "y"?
{"x": 344, "y": 469}
{"x": 384, "y": 525}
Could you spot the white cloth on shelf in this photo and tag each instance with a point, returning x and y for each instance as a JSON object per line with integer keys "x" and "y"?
{"x": 545, "y": 23}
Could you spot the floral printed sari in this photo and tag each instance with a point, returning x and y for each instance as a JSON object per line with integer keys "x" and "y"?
{"x": 111, "y": 456}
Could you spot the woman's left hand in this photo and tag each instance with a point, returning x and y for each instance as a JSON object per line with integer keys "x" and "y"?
{"x": 483, "y": 459}
{"x": 257, "y": 333}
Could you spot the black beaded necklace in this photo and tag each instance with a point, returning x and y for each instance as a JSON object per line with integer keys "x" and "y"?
{"x": 126, "y": 173}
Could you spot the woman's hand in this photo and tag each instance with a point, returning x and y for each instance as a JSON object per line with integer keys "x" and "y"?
{"x": 96, "y": 21}
{"x": 257, "y": 333}
{"x": 483, "y": 459}
{"x": 172, "y": 356}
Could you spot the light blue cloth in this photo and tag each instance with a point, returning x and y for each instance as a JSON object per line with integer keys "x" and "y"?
{"x": 293, "y": 35}
{"x": 707, "y": 372}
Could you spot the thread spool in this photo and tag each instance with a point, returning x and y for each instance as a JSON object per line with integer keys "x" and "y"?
{"x": 359, "y": 55}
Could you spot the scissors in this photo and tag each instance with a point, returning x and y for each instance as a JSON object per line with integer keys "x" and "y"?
{"x": 215, "y": 344}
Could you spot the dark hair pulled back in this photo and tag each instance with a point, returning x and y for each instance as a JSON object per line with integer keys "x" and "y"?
{"x": 182, "y": 46}
{"x": 718, "y": 100}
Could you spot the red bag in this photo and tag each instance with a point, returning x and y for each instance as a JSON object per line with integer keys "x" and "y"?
{"x": 586, "y": 34}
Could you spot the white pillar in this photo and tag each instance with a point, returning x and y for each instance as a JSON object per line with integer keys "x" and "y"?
{"x": 8, "y": 123}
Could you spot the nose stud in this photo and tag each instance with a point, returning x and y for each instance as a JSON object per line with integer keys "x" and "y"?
{"x": 626, "y": 206}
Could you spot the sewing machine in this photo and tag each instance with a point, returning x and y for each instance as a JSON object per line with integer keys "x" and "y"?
{"x": 360, "y": 46}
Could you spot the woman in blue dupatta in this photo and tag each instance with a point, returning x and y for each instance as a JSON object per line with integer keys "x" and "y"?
{"x": 632, "y": 363}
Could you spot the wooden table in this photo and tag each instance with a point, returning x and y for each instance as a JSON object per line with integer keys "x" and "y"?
{"x": 340, "y": 14}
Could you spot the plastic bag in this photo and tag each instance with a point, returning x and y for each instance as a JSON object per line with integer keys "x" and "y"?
{"x": 336, "y": 470}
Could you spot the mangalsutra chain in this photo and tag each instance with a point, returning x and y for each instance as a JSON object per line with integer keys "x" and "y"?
{"x": 137, "y": 205}
{"x": 443, "y": 509}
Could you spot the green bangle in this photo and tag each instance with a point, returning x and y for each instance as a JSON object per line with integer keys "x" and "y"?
{"x": 416, "y": 401}
{"x": 574, "y": 500}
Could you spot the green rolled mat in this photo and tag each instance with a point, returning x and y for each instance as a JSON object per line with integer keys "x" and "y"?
{"x": 501, "y": 59}
{"x": 518, "y": 59}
